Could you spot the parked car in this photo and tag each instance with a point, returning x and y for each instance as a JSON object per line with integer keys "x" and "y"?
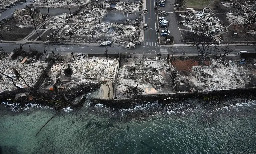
{"x": 145, "y": 11}
{"x": 106, "y": 43}
{"x": 163, "y": 13}
{"x": 145, "y": 26}
{"x": 161, "y": 18}
{"x": 241, "y": 52}
{"x": 161, "y": 3}
{"x": 130, "y": 45}
{"x": 165, "y": 32}
{"x": 163, "y": 23}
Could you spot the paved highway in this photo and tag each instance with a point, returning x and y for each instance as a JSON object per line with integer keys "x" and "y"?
{"x": 177, "y": 49}
{"x": 150, "y": 34}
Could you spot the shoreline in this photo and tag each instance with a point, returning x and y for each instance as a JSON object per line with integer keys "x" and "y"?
{"x": 211, "y": 97}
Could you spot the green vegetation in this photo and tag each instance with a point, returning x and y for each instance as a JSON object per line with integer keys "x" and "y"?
{"x": 198, "y": 4}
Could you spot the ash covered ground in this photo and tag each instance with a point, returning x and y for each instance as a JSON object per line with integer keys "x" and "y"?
{"x": 65, "y": 77}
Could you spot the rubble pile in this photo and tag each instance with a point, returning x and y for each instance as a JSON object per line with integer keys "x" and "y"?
{"x": 128, "y": 7}
{"x": 48, "y": 83}
{"x": 219, "y": 76}
{"x": 86, "y": 69}
{"x": 203, "y": 23}
{"x": 235, "y": 19}
{"x": 7, "y": 3}
{"x": 58, "y": 3}
{"x": 143, "y": 76}
{"x": 28, "y": 73}
{"x": 57, "y": 22}
{"x": 63, "y": 81}
{"x": 81, "y": 26}
{"x": 87, "y": 26}
{"x": 243, "y": 12}
{"x": 27, "y": 17}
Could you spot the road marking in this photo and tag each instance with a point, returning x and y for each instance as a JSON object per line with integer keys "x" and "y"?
{"x": 154, "y": 44}
{"x": 163, "y": 51}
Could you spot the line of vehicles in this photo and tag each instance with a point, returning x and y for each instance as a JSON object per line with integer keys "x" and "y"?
{"x": 163, "y": 24}
{"x": 161, "y": 3}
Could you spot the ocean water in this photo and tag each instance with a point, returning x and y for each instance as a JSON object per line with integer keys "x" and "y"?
{"x": 151, "y": 128}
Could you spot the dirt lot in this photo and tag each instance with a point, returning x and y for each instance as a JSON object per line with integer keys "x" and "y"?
{"x": 185, "y": 64}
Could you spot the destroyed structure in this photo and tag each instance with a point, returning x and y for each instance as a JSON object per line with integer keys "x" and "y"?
{"x": 79, "y": 22}
{"x": 94, "y": 24}
{"x": 57, "y": 3}
{"x": 203, "y": 23}
{"x": 8, "y": 3}
{"x": 223, "y": 22}
{"x": 27, "y": 17}
{"x": 123, "y": 22}
{"x": 116, "y": 78}
{"x": 61, "y": 81}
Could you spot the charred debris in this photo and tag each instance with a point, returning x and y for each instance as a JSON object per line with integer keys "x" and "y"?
{"x": 36, "y": 86}
{"x": 121, "y": 81}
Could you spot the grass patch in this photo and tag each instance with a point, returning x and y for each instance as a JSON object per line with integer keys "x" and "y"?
{"x": 198, "y": 4}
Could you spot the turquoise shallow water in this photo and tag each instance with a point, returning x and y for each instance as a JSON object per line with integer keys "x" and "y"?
{"x": 144, "y": 129}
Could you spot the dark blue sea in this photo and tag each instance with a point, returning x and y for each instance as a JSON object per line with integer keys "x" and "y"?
{"x": 229, "y": 127}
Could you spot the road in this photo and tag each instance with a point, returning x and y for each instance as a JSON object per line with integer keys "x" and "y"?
{"x": 8, "y": 13}
{"x": 178, "y": 49}
{"x": 150, "y": 34}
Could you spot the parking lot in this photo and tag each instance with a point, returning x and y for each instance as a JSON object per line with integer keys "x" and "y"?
{"x": 168, "y": 30}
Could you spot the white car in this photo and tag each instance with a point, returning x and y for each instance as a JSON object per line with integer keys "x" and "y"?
{"x": 164, "y": 21}
{"x": 130, "y": 45}
{"x": 106, "y": 43}
{"x": 145, "y": 26}
{"x": 243, "y": 52}
{"x": 161, "y": 18}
